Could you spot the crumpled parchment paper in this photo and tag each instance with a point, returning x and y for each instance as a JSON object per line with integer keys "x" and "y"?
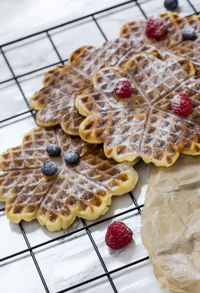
{"x": 171, "y": 224}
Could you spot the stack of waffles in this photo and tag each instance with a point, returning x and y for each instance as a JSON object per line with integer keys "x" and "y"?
{"x": 78, "y": 110}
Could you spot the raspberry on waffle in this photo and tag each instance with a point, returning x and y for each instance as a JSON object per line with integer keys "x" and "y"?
{"x": 83, "y": 189}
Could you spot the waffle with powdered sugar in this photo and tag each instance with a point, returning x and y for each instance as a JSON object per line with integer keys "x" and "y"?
{"x": 143, "y": 125}
{"x": 83, "y": 189}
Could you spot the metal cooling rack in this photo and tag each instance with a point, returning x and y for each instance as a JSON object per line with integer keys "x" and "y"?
{"x": 86, "y": 227}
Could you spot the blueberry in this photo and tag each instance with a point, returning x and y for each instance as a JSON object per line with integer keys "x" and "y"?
{"x": 171, "y": 4}
{"x": 188, "y": 33}
{"x": 49, "y": 168}
{"x": 71, "y": 156}
{"x": 53, "y": 149}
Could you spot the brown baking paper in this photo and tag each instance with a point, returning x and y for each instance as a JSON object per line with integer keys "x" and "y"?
{"x": 171, "y": 224}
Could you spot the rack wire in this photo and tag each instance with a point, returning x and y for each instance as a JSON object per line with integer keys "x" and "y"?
{"x": 86, "y": 227}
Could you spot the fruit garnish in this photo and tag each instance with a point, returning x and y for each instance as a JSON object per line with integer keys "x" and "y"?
{"x": 71, "y": 156}
{"x": 53, "y": 149}
{"x": 49, "y": 168}
{"x": 118, "y": 235}
{"x": 181, "y": 104}
{"x": 156, "y": 28}
{"x": 188, "y": 33}
{"x": 171, "y": 4}
{"x": 122, "y": 88}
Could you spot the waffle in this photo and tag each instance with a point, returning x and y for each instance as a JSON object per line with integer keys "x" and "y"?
{"x": 83, "y": 189}
{"x": 173, "y": 41}
{"x": 55, "y": 101}
{"x": 112, "y": 53}
{"x": 144, "y": 124}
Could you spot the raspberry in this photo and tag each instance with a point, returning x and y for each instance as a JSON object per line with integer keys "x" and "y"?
{"x": 118, "y": 235}
{"x": 122, "y": 88}
{"x": 155, "y": 28}
{"x": 181, "y": 104}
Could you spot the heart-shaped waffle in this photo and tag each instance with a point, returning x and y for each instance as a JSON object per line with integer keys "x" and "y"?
{"x": 173, "y": 41}
{"x": 143, "y": 125}
{"x": 83, "y": 189}
{"x": 55, "y": 101}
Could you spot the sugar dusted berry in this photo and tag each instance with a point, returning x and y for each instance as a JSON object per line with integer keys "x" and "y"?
{"x": 156, "y": 28}
{"x": 53, "y": 149}
{"x": 71, "y": 156}
{"x": 188, "y": 33}
{"x": 122, "y": 88}
{"x": 118, "y": 235}
{"x": 181, "y": 104}
{"x": 49, "y": 168}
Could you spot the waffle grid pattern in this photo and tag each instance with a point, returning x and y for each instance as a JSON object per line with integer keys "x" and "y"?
{"x": 84, "y": 189}
{"x": 86, "y": 227}
{"x": 148, "y": 129}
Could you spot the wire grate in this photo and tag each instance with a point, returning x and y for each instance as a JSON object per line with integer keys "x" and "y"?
{"x": 86, "y": 227}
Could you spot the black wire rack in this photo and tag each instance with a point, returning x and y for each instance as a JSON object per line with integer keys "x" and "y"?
{"x": 85, "y": 227}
